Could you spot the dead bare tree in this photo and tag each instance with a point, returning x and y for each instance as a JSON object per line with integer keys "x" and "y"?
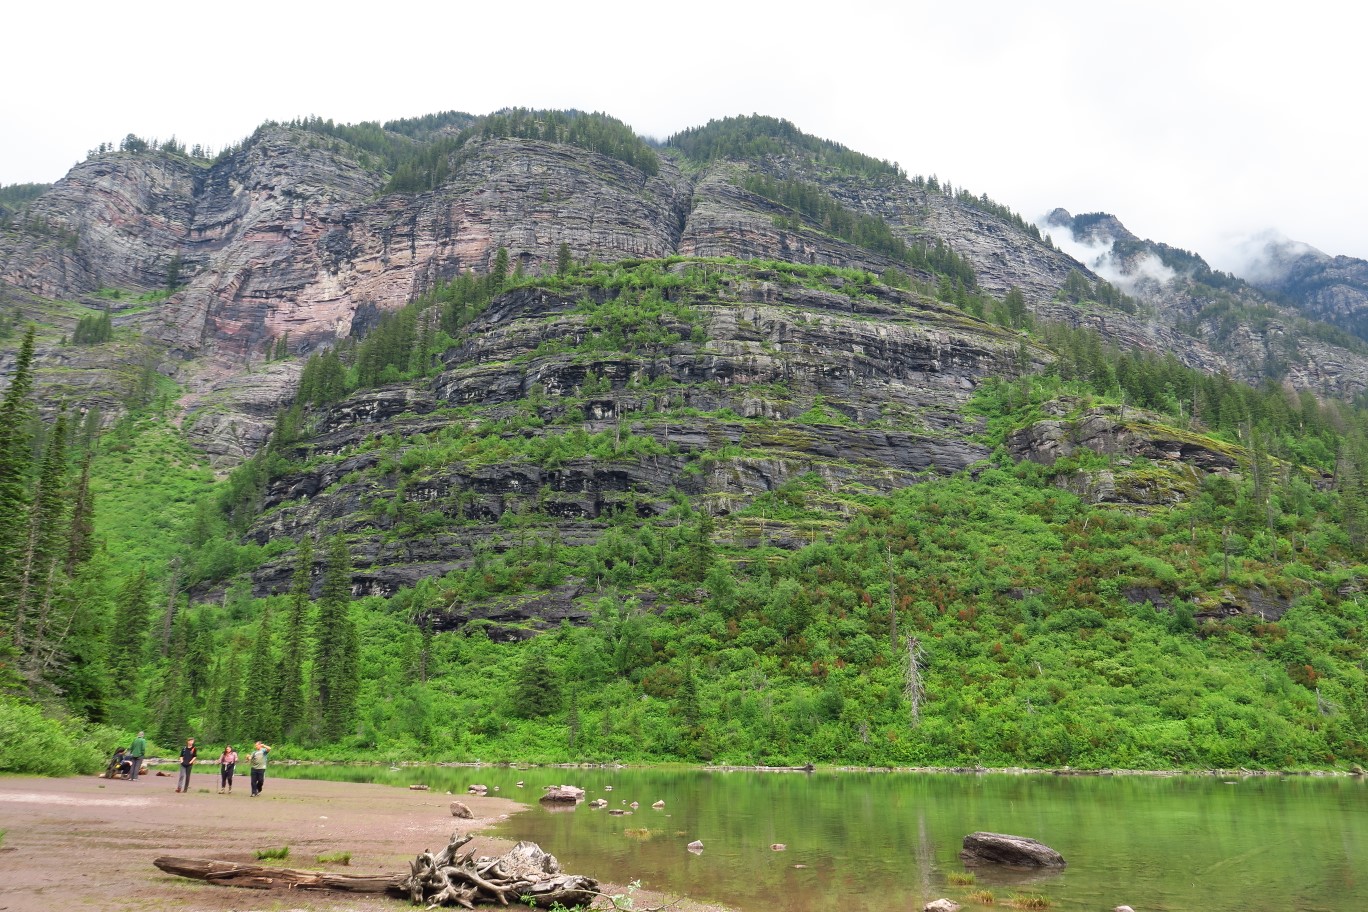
{"x": 915, "y": 688}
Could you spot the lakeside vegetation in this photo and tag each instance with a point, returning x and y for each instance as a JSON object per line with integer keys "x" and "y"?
{"x": 994, "y": 617}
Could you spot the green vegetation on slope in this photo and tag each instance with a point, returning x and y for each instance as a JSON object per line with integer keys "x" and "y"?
{"x": 756, "y": 135}
{"x": 867, "y": 231}
{"x": 992, "y": 617}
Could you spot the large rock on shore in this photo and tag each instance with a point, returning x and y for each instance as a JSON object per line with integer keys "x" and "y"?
{"x": 1000, "y": 848}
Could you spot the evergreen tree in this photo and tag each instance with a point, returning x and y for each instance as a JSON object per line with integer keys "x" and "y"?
{"x": 563, "y": 258}
{"x": 225, "y": 700}
{"x": 536, "y": 690}
{"x": 337, "y": 668}
{"x": 77, "y": 663}
{"x": 259, "y": 713}
{"x": 291, "y": 679}
{"x": 498, "y": 272}
{"x": 16, "y": 413}
{"x": 173, "y": 706}
{"x": 127, "y": 638}
{"x": 1015, "y": 305}
{"x": 43, "y": 553}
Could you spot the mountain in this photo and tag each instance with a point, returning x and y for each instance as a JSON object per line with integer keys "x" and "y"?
{"x": 1331, "y": 289}
{"x": 1253, "y": 330}
{"x": 534, "y": 439}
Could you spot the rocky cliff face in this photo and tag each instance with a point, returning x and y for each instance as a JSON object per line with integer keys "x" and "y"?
{"x": 774, "y": 382}
{"x": 291, "y": 238}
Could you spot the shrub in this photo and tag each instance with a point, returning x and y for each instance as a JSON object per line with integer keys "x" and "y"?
{"x": 40, "y": 746}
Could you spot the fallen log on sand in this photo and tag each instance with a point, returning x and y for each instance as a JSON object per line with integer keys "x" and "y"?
{"x": 524, "y": 874}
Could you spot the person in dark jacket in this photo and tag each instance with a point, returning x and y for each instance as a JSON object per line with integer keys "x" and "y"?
{"x": 188, "y": 755}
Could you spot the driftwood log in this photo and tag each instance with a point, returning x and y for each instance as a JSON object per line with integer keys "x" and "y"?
{"x": 523, "y": 874}
{"x": 233, "y": 874}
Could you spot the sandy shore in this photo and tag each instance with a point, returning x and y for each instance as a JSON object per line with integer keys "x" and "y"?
{"x": 88, "y": 843}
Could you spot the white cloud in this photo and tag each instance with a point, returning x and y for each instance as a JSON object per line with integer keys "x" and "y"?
{"x": 1189, "y": 122}
{"x": 1099, "y": 256}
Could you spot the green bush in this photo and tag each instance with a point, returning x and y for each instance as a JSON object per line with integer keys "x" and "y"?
{"x": 37, "y": 745}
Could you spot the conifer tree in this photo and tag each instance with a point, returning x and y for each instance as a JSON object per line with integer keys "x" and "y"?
{"x": 563, "y": 258}
{"x": 259, "y": 714}
{"x": 498, "y": 272}
{"x": 225, "y": 707}
{"x": 43, "y": 552}
{"x": 16, "y": 412}
{"x": 132, "y": 609}
{"x": 536, "y": 690}
{"x": 337, "y": 669}
{"x": 291, "y": 680}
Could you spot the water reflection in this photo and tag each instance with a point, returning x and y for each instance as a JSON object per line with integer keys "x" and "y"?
{"x": 870, "y": 841}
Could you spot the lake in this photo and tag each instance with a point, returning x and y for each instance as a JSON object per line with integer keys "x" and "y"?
{"x": 890, "y": 841}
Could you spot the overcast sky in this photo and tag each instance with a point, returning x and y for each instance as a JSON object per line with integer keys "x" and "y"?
{"x": 1196, "y": 123}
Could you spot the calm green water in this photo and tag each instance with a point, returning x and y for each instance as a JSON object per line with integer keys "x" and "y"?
{"x": 889, "y": 841}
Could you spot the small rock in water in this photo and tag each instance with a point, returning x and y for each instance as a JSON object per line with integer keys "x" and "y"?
{"x": 941, "y": 905}
{"x": 635, "y": 805}
{"x": 696, "y": 846}
{"x": 658, "y": 805}
{"x": 1123, "y": 909}
{"x": 777, "y": 847}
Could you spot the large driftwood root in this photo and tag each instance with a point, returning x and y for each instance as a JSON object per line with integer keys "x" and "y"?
{"x": 524, "y": 874}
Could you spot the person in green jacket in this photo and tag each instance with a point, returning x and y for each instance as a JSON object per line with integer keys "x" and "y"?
{"x": 135, "y": 755}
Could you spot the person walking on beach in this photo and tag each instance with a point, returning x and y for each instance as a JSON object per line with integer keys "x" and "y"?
{"x": 258, "y": 760}
{"x": 227, "y": 760}
{"x": 188, "y": 755}
{"x": 136, "y": 752}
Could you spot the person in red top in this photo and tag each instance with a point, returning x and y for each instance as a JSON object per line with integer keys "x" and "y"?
{"x": 227, "y": 760}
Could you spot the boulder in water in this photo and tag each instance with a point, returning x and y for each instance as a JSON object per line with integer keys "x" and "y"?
{"x": 1000, "y": 848}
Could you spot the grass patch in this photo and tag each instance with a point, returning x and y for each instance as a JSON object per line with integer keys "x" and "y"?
{"x": 340, "y": 858}
{"x": 958, "y": 879}
{"x": 982, "y": 897}
{"x": 641, "y": 833}
{"x": 277, "y": 854}
{"x": 1029, "y": 901}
